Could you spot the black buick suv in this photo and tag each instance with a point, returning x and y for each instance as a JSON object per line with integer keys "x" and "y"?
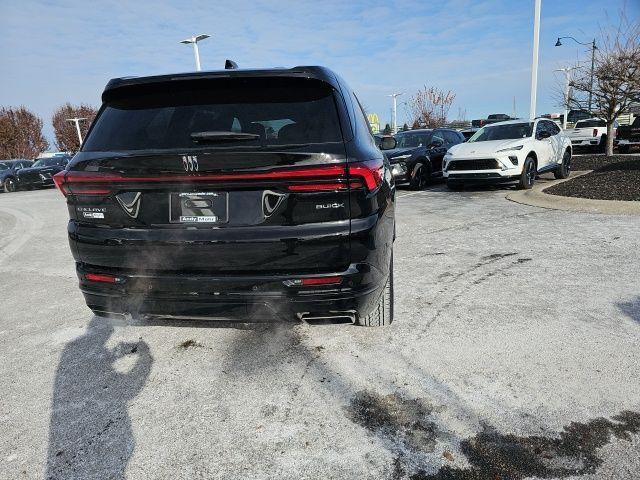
{"x": 250, "y": 195}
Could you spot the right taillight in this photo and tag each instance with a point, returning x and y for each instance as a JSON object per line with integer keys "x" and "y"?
{"x": 369, "y": 173}
{"x": 595, "y": 132}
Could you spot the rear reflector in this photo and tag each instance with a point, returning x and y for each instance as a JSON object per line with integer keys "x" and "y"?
{"x": 97, "y": 277}
{"x": 321, "y": 281}
{"x": 314, "y": 281}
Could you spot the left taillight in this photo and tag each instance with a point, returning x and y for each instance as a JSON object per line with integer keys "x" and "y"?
{"x": 82, "y": 183}
{"x": 58, "y": 179}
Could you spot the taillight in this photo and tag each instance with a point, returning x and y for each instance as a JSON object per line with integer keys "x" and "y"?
{"x": 58, "y": 179}
{"x": 81, "y": 183}
{"x": 595, "y": 132}
{"x": 368, "y": 173}
{"x": 329, "y": 177}
{"x": 317, "y": 187}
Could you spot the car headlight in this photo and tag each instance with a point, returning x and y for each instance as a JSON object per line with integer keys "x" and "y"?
{"x": 508, "y": 149}
{"x": 401, "y": 157}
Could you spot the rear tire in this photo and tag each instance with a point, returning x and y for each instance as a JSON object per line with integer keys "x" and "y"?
{"x": 9, "y": 185}
{"x": 528, "y": 175}
{"x": 382, "y": 313}
{"x": 564, "y": 169}
{"x": 623, "y": 149}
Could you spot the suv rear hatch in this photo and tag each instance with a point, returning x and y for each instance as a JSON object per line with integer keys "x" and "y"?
{"x": 215, "y": 175}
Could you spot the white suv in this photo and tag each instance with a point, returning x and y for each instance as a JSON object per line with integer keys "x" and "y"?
{"x": 513, "y": 151}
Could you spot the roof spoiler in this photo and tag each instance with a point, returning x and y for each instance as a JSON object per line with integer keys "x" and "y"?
{"x": 230, "y": 65}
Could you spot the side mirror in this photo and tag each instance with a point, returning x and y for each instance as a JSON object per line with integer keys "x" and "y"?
{"x": 436, "y": 143}
{"x": 388, "y": 143}
{"x": 544, "y": 134}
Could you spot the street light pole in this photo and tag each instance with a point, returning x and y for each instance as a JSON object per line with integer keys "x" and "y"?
{"x": 534, "y": 61}
{"x": 194, "y": 41}
{"x": 567, "y": 86}
{"x": 394, "y": 112}
{"x": 77, "y": 123}
{"x": 593, "y": 61}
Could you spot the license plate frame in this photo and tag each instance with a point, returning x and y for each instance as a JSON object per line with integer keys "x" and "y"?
{"x": 199, "y": 208}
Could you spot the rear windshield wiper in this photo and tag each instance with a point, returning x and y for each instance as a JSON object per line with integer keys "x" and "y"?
{"x": 222, "y": 136}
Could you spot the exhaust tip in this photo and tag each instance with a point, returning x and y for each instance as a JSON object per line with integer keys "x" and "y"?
{"x": 331, "y": 318}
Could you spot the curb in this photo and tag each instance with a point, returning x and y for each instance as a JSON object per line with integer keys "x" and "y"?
{"x": 537, "y": 198}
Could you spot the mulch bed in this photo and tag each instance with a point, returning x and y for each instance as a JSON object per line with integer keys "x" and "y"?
{"x": 592, "y": 162}
{"x": 611, "y": 179}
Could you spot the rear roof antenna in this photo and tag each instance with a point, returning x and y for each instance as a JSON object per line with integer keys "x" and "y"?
{"x": 230, "y": 65}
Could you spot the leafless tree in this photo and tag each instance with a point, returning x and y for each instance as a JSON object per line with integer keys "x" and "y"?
{"x": 616, "y": 75}
{"x": 65, "y": 131}
{"x": 430, "y": 106}
{"x": 20, "y": 134}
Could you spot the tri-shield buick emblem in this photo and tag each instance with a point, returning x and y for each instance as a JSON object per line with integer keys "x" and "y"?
{"x": 190, "y": 163}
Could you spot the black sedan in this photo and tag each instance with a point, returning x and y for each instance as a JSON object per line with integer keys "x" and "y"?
{"x": 8, "y": 172}
{"x": 417, "y": 158}
{"x": 40, "y": 173}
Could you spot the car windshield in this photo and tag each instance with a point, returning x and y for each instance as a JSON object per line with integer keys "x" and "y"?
{"x": 50, "y": 162}
{"x": 502, "y": 132}
{"x": 414, "y": 139}
{"x": 213, "y": 113}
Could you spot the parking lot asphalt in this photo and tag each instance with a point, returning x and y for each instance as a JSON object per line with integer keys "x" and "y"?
{"x": 514, "y": 354}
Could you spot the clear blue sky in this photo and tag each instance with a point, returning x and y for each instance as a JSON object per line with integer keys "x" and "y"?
{"x": 58, "y": 51}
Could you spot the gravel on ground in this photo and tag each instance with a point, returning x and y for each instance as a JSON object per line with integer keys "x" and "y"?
{"x": 612, "y": 179}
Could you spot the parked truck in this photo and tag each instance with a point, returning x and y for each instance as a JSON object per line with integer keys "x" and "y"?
{"x": 628, "y": 136}
{"x": 493, "y": 118}
{"x": 591, "y": 132}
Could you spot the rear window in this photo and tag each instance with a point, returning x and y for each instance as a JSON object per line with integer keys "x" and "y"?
{"x": 591, "y": 123}
{"x": 165, "y": 116}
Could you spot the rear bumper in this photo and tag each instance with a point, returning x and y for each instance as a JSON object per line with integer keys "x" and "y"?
{"x": 239, "y": 298}
{"x": 585, "y": 142}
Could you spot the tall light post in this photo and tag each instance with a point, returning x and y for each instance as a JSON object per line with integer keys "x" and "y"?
{"x": 534, "y": 60}
{"x": 395, "y": 111}
{"x": 194, "y": 41}
{"x": 567, "y": 76}
{"x": 593, "y": 60}
{"x": 77, "y": 123}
